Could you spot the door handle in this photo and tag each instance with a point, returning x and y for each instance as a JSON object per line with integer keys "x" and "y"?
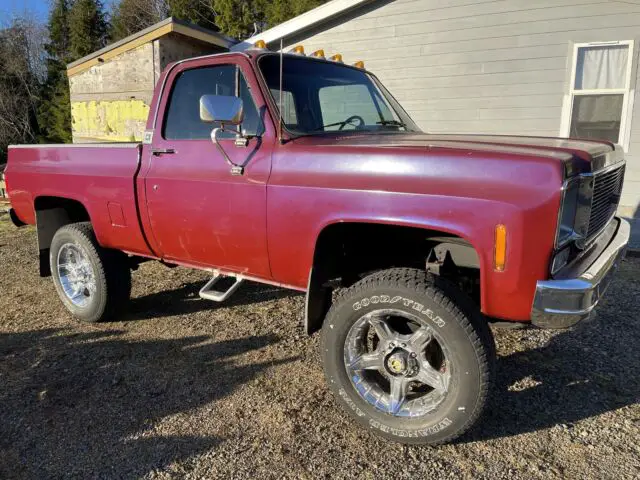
{"x": 162, "y": 151}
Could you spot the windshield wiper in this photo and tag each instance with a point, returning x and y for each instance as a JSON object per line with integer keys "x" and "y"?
{"x": 395, "y": 123}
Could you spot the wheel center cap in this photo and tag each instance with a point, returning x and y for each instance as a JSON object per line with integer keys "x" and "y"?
{"x": 397, "y": 363}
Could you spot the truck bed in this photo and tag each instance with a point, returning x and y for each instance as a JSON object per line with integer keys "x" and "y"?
{"x": 101, "y": 177}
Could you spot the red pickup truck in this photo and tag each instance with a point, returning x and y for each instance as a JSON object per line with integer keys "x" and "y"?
{"x": 306, "y": 173}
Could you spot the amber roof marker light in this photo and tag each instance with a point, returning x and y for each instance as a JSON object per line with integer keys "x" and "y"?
{"x": 359, "y": 64}
{"x": 297, "y": 50}
{"x": 336, "y": 58}
{"x": 318, "y": 54}
{"x": 500, "y": 249}
{"x": 260, "y": 45}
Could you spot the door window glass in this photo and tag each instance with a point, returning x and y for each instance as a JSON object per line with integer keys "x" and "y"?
{"x": 182, "y": 117}
{"x": 252, "y": 124}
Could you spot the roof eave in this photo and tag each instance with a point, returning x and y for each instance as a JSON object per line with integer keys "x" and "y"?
{"x": 302, "y": 22}
{"x": 149, "y": 34}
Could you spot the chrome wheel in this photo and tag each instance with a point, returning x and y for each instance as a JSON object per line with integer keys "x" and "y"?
{"x": 76, "y": 274}
{"x": 397, "y": 363}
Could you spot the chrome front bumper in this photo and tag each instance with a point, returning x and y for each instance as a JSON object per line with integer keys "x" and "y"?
{"x": 563, "y": 303}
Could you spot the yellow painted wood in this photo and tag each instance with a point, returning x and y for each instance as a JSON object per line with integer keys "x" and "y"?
{"x": 116, "y": 120}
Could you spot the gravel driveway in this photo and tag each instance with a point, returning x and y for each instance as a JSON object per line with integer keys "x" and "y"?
{"x": 182, "y": 387}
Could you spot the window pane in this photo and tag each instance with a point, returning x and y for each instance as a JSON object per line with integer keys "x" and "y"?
{"x": 183, "y": 115}
{"x": 252, "y": 123}
{"x": 602, "y": 67}
{"x": 327, "y": 92}
{"x": 597, "y": 117}
{"x": 289, "y": 114}
{"x": 337, "y": 103}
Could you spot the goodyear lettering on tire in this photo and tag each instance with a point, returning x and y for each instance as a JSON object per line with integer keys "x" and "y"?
{"x": 407, "y": 302}
{"x": 425, "y": 432}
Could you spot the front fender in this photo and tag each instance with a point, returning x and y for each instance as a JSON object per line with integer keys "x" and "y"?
{"x": 507, "y": 294}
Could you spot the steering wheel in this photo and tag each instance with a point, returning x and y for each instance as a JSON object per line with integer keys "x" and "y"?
{"x": 350, "y": 120}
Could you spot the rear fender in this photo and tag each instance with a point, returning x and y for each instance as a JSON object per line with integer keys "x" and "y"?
{"x": 52, "y": 213}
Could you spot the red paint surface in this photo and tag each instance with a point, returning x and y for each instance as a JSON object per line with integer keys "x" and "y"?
{"x": 266, "y": 222}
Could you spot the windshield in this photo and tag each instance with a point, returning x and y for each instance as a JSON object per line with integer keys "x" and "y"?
{"x": 320, "y": 96}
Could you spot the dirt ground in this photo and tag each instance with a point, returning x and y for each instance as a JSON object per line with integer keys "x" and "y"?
{"x": 184, "y": 388}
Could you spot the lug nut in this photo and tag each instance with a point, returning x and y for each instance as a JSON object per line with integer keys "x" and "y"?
{"x": 413, "y": 355}
{"x": 403, "y": 345}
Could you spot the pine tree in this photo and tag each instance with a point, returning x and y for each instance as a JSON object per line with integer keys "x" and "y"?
{"x": 131, "y": 16}
{"x": 237, "y": 18}
{"x": 87, "y": 28}
{"x": 197, "y": 12}
{"x": 54, "y": 115}
{"x": 76, "y": 29}
{"x": 278, "y": 11}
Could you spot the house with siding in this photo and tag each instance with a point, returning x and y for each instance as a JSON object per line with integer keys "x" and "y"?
{"x": 549, "y": 67}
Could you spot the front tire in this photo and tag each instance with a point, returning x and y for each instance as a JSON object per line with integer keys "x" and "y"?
{"x": 408, "y": 358}
{"x": 93, "y": 283}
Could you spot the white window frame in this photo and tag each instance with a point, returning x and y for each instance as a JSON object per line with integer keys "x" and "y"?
{"x": 627, "y": 92}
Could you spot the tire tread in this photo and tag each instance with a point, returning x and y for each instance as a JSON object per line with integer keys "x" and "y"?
{"x": 462, "y": 311}
{"x": 112, "y": 269}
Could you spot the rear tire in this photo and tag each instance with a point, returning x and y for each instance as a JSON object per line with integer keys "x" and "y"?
{"x": 93, "y": 283}
{"x": 407, "y": 358}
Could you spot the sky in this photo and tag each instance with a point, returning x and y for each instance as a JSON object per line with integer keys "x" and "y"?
{"x": 10, "y": 8}
{"x": 37, "y": 8}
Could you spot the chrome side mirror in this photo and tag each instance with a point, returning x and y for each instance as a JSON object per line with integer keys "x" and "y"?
{"x": 221, "y": 108}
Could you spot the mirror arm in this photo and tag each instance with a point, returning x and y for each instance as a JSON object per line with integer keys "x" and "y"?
{"x": 235, "y": 168}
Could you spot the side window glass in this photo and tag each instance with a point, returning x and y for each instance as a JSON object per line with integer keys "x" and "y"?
{"x": 252, "y": 123}
{"x": 182, "y": 118}
{"x": 289, "y": 114}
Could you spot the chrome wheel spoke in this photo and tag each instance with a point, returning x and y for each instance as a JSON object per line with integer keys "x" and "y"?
{"x": 77, "y": 296}
{"x": 76, "y": 274}
{"x": 432, "y": 377}
{"x": 398, "y": 394}
{"x": 387, "y": 352}
{"x": 368, "y": 361}
{"x": 381, "y": 328}
{"x": 420, "y": 339}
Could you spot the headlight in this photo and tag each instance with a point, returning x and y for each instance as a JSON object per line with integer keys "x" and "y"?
{"x": 573, "y": 218}
{"x": 568, "y": 209}
{"x": 575, "y": 208}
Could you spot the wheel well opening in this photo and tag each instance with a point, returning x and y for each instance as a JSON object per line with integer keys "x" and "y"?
{"x": 51, "y": 214}
{"x": 347, "y": 252}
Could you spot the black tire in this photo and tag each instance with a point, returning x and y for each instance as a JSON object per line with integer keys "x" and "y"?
{"x": 451, "y": 316}
{"x": 110, "y": 269}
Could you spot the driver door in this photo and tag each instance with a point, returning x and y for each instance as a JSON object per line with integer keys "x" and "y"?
{"x": 200, "y": 214}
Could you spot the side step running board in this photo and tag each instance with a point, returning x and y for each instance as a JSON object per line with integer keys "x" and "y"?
{"x": 208, "y": 293}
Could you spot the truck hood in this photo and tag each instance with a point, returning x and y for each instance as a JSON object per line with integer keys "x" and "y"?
{"x": 578, "y": 155}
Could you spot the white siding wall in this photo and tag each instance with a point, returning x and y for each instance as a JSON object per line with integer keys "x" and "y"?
{"x": 484, "y": 66}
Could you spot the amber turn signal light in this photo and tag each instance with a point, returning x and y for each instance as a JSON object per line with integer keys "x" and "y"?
{"x": 500, "y": 253}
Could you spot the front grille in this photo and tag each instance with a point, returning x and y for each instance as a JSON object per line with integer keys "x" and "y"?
{"x": 607, "y": 188}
